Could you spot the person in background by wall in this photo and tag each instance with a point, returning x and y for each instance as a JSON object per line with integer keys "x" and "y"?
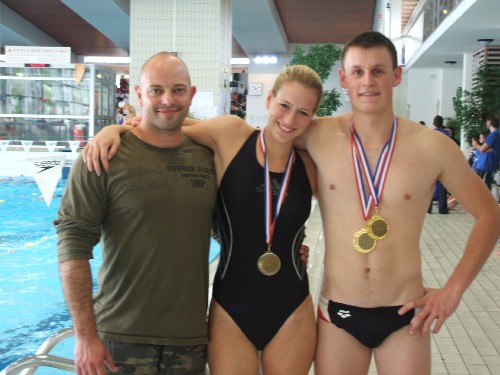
{"x": 241, "y": 89}
{"x": 482, "y": 137}
{"x": 119, "y": 118}
{"x": 472, "y": 159}
{"x": 451, "y": 132}
{"x": 440, "y": 193}
{"x": 489, "y": 158}
{"x": 438, "y": 122}
{"x": 128, "y": 111}
{"x": 474, "y": 152}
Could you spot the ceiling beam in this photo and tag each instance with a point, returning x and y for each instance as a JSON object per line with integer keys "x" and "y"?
{"x": 110, "y": 17}
{"x": 257, "y": 27}
{"x": 18, "y": 31}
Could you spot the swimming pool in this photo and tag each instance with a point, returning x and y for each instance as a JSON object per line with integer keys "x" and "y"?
{"x": 31, "y": 301}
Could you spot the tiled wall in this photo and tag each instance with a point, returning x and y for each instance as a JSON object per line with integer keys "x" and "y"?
{"x": 198, "y": 30}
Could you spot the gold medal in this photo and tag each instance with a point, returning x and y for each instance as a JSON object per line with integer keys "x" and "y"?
{"x": 377, "y": 227}
{"x": 362, "y": 242}
{"x": 269, "y": 263}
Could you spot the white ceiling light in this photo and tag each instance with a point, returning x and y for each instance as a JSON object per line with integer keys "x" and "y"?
{"x": 265, "y": 59}
{"x": 240, "y": 61}
{"x": 106, "y": 60}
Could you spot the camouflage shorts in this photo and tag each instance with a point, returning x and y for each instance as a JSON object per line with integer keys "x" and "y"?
{"x": 139, "y": 359}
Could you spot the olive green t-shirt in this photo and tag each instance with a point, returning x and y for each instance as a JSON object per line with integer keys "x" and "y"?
{"x": 152, "y": 213}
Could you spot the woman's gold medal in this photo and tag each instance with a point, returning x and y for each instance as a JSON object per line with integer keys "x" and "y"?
{"x": 269, "y": 263}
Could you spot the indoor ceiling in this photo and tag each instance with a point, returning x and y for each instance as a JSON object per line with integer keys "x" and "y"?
{"x": 86, "y": 26}
{"x": 458, "y": 34}
{"x": 101, "y": 27}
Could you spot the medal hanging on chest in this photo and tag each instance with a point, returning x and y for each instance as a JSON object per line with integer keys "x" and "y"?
{"x": 376, "y": 227}
{"x": 269, "y": 263}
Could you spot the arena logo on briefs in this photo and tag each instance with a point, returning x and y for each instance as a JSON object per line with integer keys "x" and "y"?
{"x": 47, "y": 171}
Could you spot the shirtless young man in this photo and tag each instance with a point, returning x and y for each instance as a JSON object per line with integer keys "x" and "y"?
{"x": 372, "y": 287}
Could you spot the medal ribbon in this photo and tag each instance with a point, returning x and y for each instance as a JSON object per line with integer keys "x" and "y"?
{"x": 285, "y": 182}
{"x": 376, "y": 181}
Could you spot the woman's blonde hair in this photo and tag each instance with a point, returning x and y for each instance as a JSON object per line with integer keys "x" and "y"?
{"x": 303, "y": 75}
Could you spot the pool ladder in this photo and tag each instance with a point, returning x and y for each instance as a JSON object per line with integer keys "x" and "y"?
{"x": 28, "y": 365}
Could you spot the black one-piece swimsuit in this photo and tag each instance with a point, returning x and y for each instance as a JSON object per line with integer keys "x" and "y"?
{"x": 260, "y": 304}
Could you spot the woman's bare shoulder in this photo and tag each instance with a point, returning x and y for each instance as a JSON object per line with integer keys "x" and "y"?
{"x": 217, "y": 128}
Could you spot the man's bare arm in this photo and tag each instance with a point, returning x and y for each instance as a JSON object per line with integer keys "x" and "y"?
{"x": 438, "y": 304}
{"x": 91, "y": 355}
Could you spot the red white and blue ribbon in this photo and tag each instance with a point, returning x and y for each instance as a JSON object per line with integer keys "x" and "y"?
{"x": 285, "y": 182}
{"x": 374, "y": 181}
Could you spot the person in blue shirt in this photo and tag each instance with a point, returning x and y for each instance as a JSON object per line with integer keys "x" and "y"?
{"x": 488, "y": 161}
{"x": 475, "y": 152}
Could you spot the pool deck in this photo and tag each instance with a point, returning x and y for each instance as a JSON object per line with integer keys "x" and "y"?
{"x": 469, "y": 342}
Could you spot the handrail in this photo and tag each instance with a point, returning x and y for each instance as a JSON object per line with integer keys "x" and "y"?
{"x": 42, "y": 145}
{"x": 28, "y": 365}
{"x": 32, "y": 363}
{"x": 42, "y": 357}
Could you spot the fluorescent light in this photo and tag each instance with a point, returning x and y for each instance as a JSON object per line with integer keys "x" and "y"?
{"x": 106, "y": 60}
{"x": 265, "y": 59}
{"x": 240, "y": 61}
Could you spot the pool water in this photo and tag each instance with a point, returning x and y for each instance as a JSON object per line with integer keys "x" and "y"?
{"x": 32, "y": 305}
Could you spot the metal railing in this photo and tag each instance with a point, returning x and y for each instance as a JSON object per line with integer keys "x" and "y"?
{"x": 28, "y": 365}
{"x": 42, "y": 358}
{"x": 41, "y": 146}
